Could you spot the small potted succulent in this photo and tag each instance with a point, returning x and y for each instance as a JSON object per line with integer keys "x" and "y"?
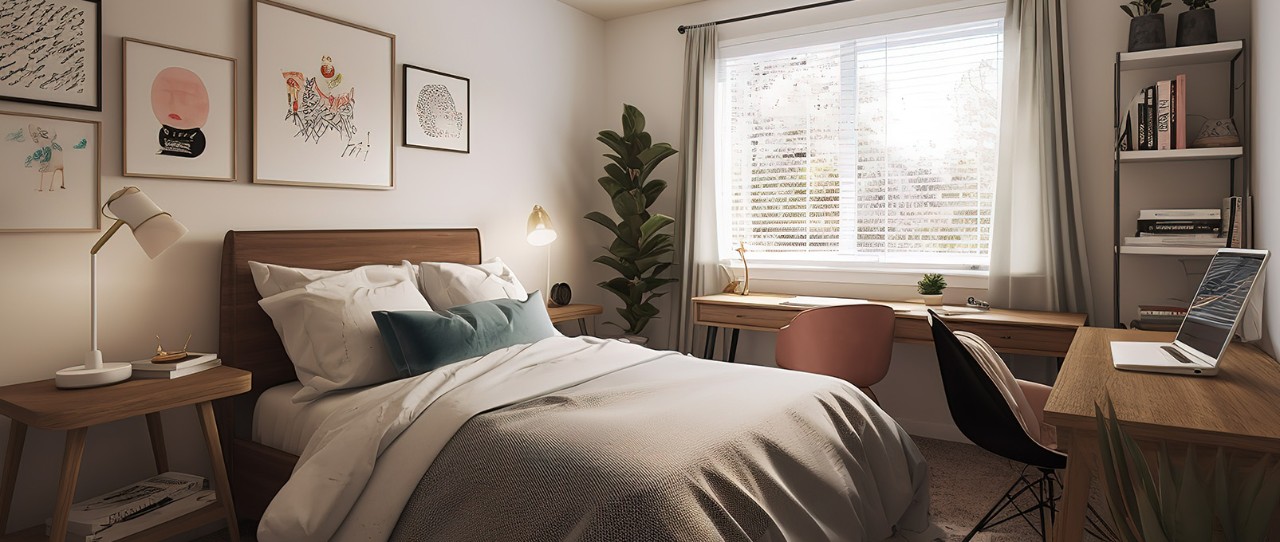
{"x": 1198, "y": 25}
{"x": 931, "y": 287}
{"x": 1146, "y": 28}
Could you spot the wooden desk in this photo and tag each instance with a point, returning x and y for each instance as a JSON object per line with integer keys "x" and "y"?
{"x": 41, "y": 405}
{"x": 1237, "y": 409}
{"x": 1008, "y": 331}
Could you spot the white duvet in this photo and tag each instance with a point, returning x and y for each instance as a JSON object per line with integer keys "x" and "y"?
{"x": 363, "y": 464}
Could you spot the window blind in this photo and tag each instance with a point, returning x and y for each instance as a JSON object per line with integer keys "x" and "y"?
{"x": 879, "y": 149}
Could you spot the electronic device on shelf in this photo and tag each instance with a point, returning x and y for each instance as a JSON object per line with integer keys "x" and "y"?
{"x": 976, "y": 303}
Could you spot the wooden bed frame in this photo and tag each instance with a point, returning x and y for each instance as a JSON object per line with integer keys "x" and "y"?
{"x": 248, "y": 340}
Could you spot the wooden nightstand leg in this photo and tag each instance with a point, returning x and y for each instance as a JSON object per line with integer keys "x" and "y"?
{"x": 71, "y": 457}
{"x": 12, "y": 457}
{"x": 221, "y": 483}
{"x": 156, "y": 429}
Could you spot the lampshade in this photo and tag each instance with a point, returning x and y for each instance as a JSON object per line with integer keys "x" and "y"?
{"x": 541, "y": 232}
{"x": 154, "y": 229}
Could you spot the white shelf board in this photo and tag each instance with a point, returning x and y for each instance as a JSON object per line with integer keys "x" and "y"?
{"x": 1169, "y": 251}
{"x": 1181, "y": 56}
{"x": 1219, "y": 153}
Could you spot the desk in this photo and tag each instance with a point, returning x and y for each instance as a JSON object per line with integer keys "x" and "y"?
{"x": 1008, "y": 331}
{"x": 1237, "y": 409}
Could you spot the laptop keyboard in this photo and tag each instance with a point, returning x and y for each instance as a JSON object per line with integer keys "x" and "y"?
{"x": 1176, "y": 354}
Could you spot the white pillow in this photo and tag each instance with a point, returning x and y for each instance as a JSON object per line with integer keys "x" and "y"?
{"x": 274, "y": 279}
{"x": 451, "y": 284}
{"x": 328, "y": 330}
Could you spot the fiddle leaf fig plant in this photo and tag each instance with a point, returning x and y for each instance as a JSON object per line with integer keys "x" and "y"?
{"x": 1199, "y": 4}
{"x": 640, "y": 248}
{"x": 1145, "y": 7}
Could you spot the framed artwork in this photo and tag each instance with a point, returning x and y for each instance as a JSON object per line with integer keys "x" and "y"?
{"x": 50, "y": 171}
{"x": 51, "y": 52}
{"x": 437, "y": 110}
{"x": 321, "y": 100}
{"x": 179, "y": 113}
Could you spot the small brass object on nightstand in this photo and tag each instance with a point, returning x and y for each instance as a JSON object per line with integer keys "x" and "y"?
{"x": 162, "y": 356}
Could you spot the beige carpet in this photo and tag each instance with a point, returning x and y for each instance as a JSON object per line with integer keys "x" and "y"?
{"x": 964, "y": 482}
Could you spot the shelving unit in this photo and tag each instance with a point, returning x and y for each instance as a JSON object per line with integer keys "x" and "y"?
{"x": 1236, "y": 54}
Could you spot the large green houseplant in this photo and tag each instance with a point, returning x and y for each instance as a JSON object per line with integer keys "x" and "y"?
{"x": 639, "y": 251}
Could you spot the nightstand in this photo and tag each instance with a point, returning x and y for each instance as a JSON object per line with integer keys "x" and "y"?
{"x": 575, "y": 311}
{"x": 41, "y": 405}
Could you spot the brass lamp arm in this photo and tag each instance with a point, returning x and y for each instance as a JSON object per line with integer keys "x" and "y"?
{"x": 105, "y": 236}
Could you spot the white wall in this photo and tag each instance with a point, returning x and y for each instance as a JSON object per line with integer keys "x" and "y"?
{"x": 535, "y": 73}
{"x": 1266, "y": 141}
{"x": 645, "y": 69}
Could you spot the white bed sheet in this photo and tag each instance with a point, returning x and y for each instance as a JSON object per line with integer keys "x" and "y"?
{"x": 280, "y": 423}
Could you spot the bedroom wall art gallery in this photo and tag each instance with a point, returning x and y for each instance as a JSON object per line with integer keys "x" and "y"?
{"x": 178, "y": 84}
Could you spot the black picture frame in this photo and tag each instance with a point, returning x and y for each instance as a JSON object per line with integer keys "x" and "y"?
{"x": 408, "y": 96}
{"x": 95, "y": 40}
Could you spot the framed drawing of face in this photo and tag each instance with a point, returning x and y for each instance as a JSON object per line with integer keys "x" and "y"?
{"x": 321, "y": 100}
{"x": 51, "y": 52}
{"x": 50, "y": 171}
{"x": 179, "y": 113}
{"x": 437, "y": 110}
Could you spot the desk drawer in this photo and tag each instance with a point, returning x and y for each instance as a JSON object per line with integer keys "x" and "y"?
{"x": 1008, "y": 339}
{"x": 743, "y": 317}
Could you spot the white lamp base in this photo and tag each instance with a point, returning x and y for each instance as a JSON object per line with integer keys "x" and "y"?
{"x": 80, "y": 377}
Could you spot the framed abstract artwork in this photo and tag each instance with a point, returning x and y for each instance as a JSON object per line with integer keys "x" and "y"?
{"x": 50, "y": 171}
{"x": 437, "y": 110}
{"x": 179, "y": 113}
{"x": 51, "y": 52}
{"x": 322, "y": 112}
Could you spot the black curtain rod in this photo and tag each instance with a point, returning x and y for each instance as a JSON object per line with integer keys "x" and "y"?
{"x": 682, "y": 27}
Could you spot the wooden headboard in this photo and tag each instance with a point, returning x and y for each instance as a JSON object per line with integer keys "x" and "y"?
{"x": 248, "y": 340}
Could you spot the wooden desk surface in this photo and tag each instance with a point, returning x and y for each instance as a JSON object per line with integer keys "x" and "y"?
{"x": 1239, "y": 408}
{"x": 916, "y": 310}
{"x": 41, "y": 404}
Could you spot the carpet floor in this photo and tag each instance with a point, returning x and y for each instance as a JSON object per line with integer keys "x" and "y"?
{"x": 964, "y": 482}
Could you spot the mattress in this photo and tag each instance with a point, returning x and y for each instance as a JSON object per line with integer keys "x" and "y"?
{"x": 280, "y": 423}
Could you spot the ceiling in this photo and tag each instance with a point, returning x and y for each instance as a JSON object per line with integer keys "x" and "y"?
{"x": 613, "y": 9}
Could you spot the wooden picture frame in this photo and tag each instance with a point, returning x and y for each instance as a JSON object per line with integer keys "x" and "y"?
{"x": 184, "y": 83}
{"x": 76, "y": 22}
{"x": 42, "y": 148}
{"x": 440, "y": 104}
{"x": 308, "y": 129}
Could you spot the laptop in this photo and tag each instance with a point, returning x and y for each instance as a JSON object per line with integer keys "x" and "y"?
{"x": 1210, "y": 324}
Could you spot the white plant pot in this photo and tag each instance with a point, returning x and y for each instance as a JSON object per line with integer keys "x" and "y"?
{"x": 934, "y": 300}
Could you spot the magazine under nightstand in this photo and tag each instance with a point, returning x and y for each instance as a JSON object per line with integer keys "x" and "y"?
{"x": 41, "y": 405}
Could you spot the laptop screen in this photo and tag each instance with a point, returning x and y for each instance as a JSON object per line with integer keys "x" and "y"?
{"x": 1211, "y": 319}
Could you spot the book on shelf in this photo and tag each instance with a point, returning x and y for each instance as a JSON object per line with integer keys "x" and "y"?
{"x": 1210, "y": 226}
{"x": 162, "y": 512}
{"x": 98, "y": 513}
{"x": 1155, "y": 326}
{"x": 177, "y": 373}
{"x": 1180, "y": 214}
{"x": 1233, "y": 220}
{"x": 1179, "y": 235}
{"x": 1150, "y": 119}
{"x": 1163, "y": 109}
{"x": 190, "y": 360}
{"x": 1180, "y": 111}
{"x": 1167, "y": 241}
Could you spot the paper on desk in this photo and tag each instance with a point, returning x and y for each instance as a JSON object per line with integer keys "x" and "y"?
{"x": 943, "y": 310}
{"x": 810, "y": 301}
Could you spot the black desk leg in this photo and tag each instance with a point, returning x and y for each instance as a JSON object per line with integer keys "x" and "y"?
{"x": 710, "y": 350}
{"x": 733, "y": 344}
{"x": 582, "y": 325}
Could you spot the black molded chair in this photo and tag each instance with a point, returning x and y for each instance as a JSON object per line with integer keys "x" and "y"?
{"x": 983, "y": 415}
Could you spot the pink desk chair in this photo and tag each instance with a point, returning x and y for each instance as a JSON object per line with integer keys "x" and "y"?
{"x": 850, "y": 342}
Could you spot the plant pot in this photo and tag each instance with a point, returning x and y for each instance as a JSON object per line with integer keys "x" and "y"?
{"x": 933, "y": 300}
{"x": 1147, "y": 33}
{"x": 634, "y": 339}
{"x": 1197, "y": 27}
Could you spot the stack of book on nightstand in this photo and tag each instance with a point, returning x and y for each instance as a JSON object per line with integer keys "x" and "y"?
{"x": 1179, "y": 228}
{"x": 190, "y": 364}
{"x": 136, "y": 507}
{"x": 1159, "y": 317}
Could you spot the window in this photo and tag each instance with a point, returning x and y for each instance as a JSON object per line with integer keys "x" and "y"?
{"x": 872, "y": 149}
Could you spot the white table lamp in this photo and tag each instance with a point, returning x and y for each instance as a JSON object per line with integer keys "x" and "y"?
{"x": 542, "y": 233}
{"x": 155, "y": 231}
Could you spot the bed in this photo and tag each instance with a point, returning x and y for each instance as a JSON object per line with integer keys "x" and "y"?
{"x": 594, "y": 440}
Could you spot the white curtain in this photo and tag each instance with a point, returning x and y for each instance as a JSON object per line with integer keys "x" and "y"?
{"x": 695, "y": 228}
{"x": 1038, "y": 252}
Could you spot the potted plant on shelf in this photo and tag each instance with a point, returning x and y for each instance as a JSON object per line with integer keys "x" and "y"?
{"x": 639, "y": 247}
{"x": 1198, "y": 25}
{"x": 931, "y": 287}
{"x": 1146, "y": 28}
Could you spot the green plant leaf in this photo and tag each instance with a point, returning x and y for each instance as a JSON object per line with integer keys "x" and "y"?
{"x": 622, "y": 294}
{"x": 631, "y": 116}
{"x": 653, "y": 156}
{"x": 655, "y": 244}
{"x": 655, "y": 223}
{"x": 660, "y": 268}
{"x": 1111, "y": 478}
{"x": 610, "y": 185}
{"x": 621, "y": 177}
{"x": 601, "y": 219}
{"x": 623, "y": 250}
{"x": 1194, "y": 517}
{"x": 614, "y": 142}
{"x": 1123, "y": 474}
{"x": 626, "y": 269}
{"x": 1127, "y": 10}
{"x": 653, "y": 189}
{"x": 1169, "y": 484}
{"x": 629, "y": 202}
{"x": 1222, "y": 504}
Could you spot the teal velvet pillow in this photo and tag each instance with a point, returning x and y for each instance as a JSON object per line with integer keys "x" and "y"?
{"x": 422, "y": 341}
